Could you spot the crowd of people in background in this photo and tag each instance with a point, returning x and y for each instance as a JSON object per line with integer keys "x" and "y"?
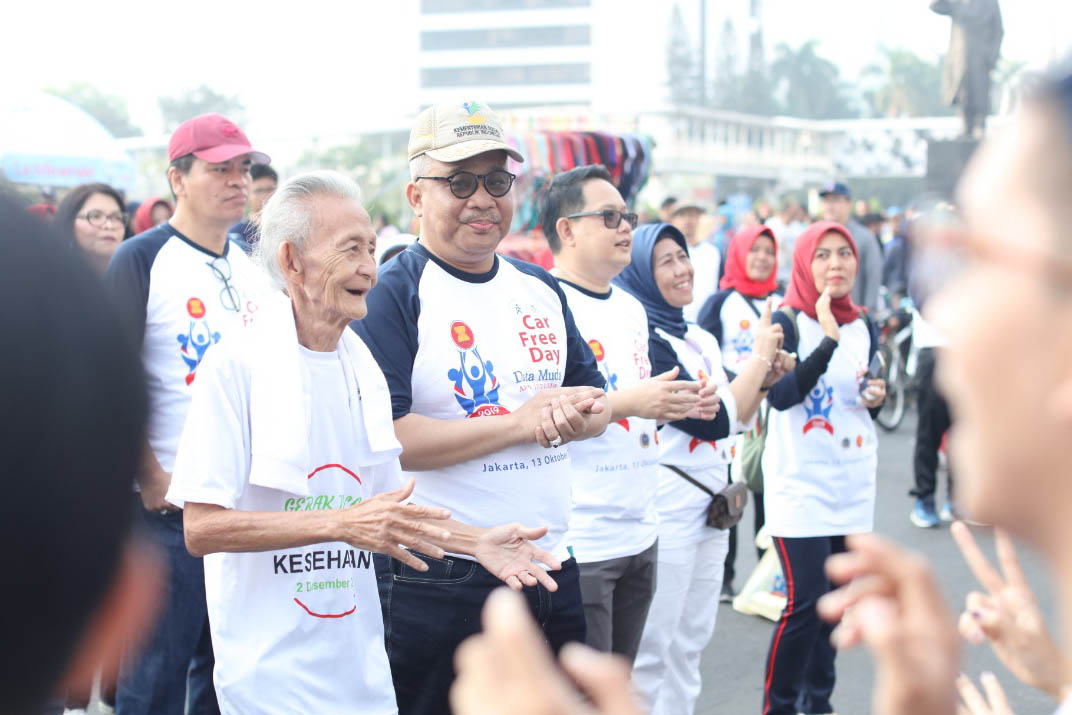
{"x": 343, "y": 438}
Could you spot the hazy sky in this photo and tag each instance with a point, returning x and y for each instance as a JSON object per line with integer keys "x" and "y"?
{"x": 335, "y": 67}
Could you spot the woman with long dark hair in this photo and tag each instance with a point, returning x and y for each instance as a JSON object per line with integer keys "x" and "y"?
{"x": 92, "y": 215}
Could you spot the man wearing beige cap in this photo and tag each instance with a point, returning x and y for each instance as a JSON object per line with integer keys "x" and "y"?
{"x": 181, "y": 289}
{"x": 489, "y": 380}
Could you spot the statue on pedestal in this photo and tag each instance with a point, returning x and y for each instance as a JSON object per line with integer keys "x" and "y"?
{"x": 974, "y": 47}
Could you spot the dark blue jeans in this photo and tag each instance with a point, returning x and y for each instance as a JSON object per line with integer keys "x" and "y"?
{"x": 427, "y": 615}
{"x": 172, "y": 674}
{"x": 800, "y": 664}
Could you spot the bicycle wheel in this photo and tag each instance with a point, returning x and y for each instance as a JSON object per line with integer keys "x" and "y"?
{"x": 893, "y": 412}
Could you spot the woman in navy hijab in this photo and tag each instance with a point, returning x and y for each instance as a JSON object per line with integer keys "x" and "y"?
{"x": 694, "y": 456}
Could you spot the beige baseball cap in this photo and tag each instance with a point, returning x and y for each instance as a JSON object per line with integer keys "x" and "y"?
{"x": 454, "y": 132}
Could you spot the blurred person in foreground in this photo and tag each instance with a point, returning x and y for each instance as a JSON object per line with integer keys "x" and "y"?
{"x": 1006, "y": 306}
{"x": 288, "y": 476}
{"x": 265, "y": 181}
{"x": 93, "y": 216}
{"x": 77, "y": 587}
{"x": 180, "y": 289}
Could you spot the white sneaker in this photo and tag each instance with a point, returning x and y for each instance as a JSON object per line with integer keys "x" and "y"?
{"x": 105, "y": 708}
{"x": 74, "y": 711}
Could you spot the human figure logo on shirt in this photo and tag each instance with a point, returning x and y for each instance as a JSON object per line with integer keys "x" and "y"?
{"x": 742, "y": 342}
{"x": 475, "y": 386}
{"x": 817, "y": 405}
{"x": 195, "y": 342}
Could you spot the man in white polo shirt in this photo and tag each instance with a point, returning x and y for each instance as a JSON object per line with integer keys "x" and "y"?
{"x": 614, "y": 524}
{"x": 489, "y": 378}
{"x": 181, "y": 289}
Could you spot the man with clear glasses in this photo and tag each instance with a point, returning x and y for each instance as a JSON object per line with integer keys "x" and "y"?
{"x": 489, "y": 378}
{"x": 181, "y": 287}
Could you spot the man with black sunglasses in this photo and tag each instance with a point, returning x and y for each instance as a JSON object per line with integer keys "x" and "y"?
{"x": 489, "y": 378}
{"x": 180, "y": 289}
{"x": 613, "y": 525}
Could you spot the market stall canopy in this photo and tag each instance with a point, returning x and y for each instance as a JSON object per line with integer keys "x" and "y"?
{"x": 47, "y": 141}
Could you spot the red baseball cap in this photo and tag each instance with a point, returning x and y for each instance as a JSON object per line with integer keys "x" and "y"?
{"x": 213, "y": 138}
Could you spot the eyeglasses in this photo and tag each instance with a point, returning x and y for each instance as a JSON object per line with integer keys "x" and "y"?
{"x": 100, "y": 219}
{"x": 612, "y": 218}
{"x": 229, "y": 296}
{"x": 463, "y": 184}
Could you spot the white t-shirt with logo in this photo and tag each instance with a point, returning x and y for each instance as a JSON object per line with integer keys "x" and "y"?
{"x": 179, "y": 300}
{"x": 821, "y": 456}
{"x": 296, "y": 630}
{"x": 455, "y": 345}
{"x": 614, "y": 475}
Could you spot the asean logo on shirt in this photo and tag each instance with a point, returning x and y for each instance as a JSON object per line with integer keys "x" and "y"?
{"x": 195, "y": 342}
{"x": 743, "y": 341}
{"x": 604, "y": 370}
{"x": 817, "y": 406}
{"x": 475, "y": 386}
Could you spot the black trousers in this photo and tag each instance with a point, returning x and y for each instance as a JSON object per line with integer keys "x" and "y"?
{"x": 933, "y": 423}
{"x": 800, "y": 673}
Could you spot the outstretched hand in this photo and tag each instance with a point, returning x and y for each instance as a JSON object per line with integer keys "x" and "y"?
{"x": 507, "y": 552}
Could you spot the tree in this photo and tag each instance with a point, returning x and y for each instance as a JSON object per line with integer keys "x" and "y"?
{"x": 203, "y": 99}
{"x": 109, "y": 110}
{"x": 909, "y": 86}
{"x": 749, "y": 91}
{"x": 808, "y": 85}
{"x": 682, "y": 65}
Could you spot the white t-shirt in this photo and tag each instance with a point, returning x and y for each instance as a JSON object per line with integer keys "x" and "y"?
{"x": 1066, "y": 707}
{"x": 706, "y": 262}
{"x": 457, "y": 346}
{"x": 296, "y": 630}
{"x": 821, "y": 456}
{"x": 181, "y": 300}
{"x": 740, "y": 317}
{"x": 614, "y": 476}
{"x": 682, "y": 506}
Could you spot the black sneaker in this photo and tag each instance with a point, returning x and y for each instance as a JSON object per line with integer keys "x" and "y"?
{"x": 727, "y": 593}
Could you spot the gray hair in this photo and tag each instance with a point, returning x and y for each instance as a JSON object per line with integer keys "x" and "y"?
{"x": 288, "y": 215}
{"x": 419, "y": 165}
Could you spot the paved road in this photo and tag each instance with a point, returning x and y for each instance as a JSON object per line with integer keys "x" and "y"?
{"x": 733, "y": 663}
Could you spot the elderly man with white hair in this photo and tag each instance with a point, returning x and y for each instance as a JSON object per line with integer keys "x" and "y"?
{"x": 289, "y": 476}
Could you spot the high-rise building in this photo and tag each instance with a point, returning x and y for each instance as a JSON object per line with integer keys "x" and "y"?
{"x": 507, "y": 53}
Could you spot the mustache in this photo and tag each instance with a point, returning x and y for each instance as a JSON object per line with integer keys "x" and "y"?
{"x": 482, "y": 217}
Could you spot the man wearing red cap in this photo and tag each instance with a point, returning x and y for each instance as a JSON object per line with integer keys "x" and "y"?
{"x": 181, "y": 290}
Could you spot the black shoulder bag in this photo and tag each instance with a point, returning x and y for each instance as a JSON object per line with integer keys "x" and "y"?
{"x": 726, "y": 506}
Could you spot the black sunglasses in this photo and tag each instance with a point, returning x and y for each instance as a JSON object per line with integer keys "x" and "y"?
{"x": 612, "y": 218}
{"x": 463, "y": 184}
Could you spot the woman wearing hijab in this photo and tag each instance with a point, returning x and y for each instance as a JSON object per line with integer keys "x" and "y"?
{"x": 820, "y": 459}
{"x": 693, "y": 451}
{"x": 152, "y": 213}
{"x": 732, "y": 315}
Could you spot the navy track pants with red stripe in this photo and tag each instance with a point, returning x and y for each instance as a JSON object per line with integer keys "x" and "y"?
{"x": 800, "y": 664}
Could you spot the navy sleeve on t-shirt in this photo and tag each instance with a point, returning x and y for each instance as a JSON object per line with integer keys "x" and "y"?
{"x": 390, "y": 328}
{"x": 127, "y": 278}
